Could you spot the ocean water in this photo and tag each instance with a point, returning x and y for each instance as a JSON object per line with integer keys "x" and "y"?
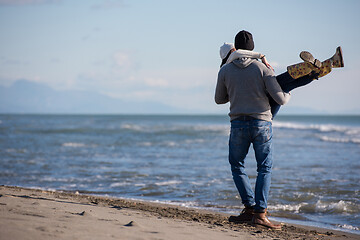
{"x": 182, "y": 160}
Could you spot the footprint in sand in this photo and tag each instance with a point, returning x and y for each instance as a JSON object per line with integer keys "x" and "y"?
{"x": 132, "y": 224}
{"x": 83, "y": 213}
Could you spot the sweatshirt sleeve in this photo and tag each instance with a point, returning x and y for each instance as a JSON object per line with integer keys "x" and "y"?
{"x": 274, "y": 89}
{"x": 221, "y": 95}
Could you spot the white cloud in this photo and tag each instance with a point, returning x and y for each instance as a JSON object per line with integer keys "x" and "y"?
{"x": 124, "y": 63}
{"x": 180, "y": 78}
{"x": 185, "y": 88}
{"x": 276, "y": 64}
{"x": 122, "y": 59}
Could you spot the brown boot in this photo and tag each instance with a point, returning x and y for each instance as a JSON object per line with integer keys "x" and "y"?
{"x": 311, "y": 64}
{"x": 335, "y": 61}
{"x": 261, "y": 219}
{"x": 245, "y": 216}
{"x": 301, "y": 69}
{"x": 308, "y": 57}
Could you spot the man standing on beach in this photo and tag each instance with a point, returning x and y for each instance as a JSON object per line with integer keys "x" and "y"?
{"x": 245, "y": 83}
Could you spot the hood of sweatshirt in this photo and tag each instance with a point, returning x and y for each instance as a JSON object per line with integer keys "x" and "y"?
{"x": 243, "y": 62}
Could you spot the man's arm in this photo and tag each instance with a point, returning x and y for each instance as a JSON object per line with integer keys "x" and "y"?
{"x": 275, "y": 90}
{"x": 221, "y": 95}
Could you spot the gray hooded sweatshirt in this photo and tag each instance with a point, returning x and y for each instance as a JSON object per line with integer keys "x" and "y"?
{"x": 245, "y": 83}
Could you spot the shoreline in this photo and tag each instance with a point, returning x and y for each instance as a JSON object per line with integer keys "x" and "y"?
{"x": 28, "y": 213}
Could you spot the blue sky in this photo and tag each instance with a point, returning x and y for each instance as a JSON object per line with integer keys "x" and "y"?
{"x": 168, "y": 51}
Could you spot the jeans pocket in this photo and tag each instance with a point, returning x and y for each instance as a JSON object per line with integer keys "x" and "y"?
{"x": 236, "y": 135}
{"x": 262, "y": 133}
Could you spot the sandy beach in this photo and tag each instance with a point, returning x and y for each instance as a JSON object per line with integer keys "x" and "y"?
{"x": 39, "y": 214}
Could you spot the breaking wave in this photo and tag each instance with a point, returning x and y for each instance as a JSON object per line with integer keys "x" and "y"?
{"x": 73, "y": 144}
{"x": 339, "y": 140}
{"x": 325, "y": 132}
{"x": 318, "y": 207}
{"x": 318, "y": 127}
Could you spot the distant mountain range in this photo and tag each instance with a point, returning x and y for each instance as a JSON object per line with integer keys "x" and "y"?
{"x": 29, "y": 97}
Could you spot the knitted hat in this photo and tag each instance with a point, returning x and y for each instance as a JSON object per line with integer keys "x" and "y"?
{"x": 244, "y": 40}
{"x": 225, "y": 49}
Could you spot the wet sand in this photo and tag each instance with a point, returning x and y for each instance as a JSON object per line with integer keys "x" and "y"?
{"x": 38, "y": 214}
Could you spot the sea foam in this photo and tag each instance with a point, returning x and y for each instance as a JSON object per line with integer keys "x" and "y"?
{"x": 73, "y": 144}
{"x": 339, "y": 140}
{"x": 166, "y": 183}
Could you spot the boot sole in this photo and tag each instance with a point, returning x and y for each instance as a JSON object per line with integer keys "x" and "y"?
{"x": 341, "y": 56}
{"x": 241, "y": 222}
{"x": 308, "y": 57}
{"x": 234, "y": 220}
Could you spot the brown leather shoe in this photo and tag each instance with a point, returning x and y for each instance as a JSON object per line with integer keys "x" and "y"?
{"x": 245, "y": 216}
{"x": 261, "y": 219}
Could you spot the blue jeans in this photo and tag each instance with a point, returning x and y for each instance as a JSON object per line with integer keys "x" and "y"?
{"x": 242, "y": 134}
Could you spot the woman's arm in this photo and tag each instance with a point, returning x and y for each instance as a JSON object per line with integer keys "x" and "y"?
{"x": 243, "y": 54}
{"x": 264, "y": 61}
{"x": 248, "y": 54}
